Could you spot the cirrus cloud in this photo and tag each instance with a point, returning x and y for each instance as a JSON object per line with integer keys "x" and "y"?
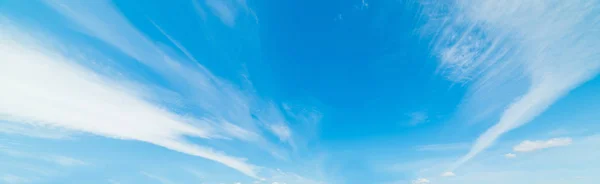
{"x": 529, "y": 146}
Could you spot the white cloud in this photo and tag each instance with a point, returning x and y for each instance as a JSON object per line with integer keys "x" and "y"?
{"x": 50, "y": 158}
{"x": 540, "y": 48}
{"x": 448, "y": 174}
{"x": 218, "y": 100}
{"x": 224, "y": 9}
{"x": 50, "y": 90}
{"x": 529, "y": 146}
{"x": 364, "y": 5}
{"x": 282, "y": 131}
{"x": 228, "y": 11}
{"x": 199, "y": 10}
{"x": 274, "y": 121}
{"x": 551, "y": 166}
{"x": 304, "y": 121}
{"x": 66, "y": 161}
{"x": 510, "y": 155}
{"x": 421, "y": 181}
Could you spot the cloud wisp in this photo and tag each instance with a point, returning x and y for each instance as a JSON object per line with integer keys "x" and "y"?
{"x": 448, "y": 174}
{"x": 546, "y": 46}
{"x": 510, "y": 155}
{"x": 444, "y": 147}
{"x": 160, "y": 179}
{"x": 529, "y": 146}
{"x": 13, "y": 179}
{"x": 421, "y": 181}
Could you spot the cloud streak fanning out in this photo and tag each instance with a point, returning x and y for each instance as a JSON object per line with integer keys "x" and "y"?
{"x": 51, "y": 89}
{"x": 548, "y": 47}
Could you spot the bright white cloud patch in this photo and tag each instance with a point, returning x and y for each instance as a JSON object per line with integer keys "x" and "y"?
{"x": 421, "y": 181}
{"x": 546, "y": 46}
{"x": 448, "y": 174}
{"x": 529, "y": 146}
{"x": 510, "y": 155}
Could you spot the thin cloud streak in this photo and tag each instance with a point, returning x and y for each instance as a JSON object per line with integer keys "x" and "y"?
{"x": 444, "y": 147}
{"x": 546, "y": 46}
{"x": 9, "y": 128}
{"x": 160, "y": 179}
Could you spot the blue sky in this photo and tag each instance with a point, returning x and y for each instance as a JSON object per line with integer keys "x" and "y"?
{"x": 299, "y": 92}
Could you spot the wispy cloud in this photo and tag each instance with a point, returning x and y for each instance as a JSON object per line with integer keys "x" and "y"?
{"x": 546, "y": 46}
{"x": 13, "y": 179}
{"x": 199, "y": 10}
{"x": 60, "y": 160}
{"x": 160, "y": 179}
{"x": 65, "y": 161}
{"x": 529, "y": 146}
{"x": 282, "y": 131}
{"x": 228, "y": 11}
{"x": 32, "y": 130}
{"x": 448, "y": 174}
{"x": 364, "y": 4}
{"x": 75, "y": 98}
{"x": 279, "y": 176}
{"x": 551, "y": 166}
{"x": 444, "y": 147}
{"x": 563, "y": 132}
{"x": 417, "y": 118}
{"x": 129, "y": 109}
{"x": 510, "y": 155}
{"x": 421, "y": 181}
{"x": 225, "y": 10}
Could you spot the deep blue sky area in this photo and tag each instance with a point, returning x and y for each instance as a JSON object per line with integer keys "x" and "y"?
{"x": 366, "y": 55}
